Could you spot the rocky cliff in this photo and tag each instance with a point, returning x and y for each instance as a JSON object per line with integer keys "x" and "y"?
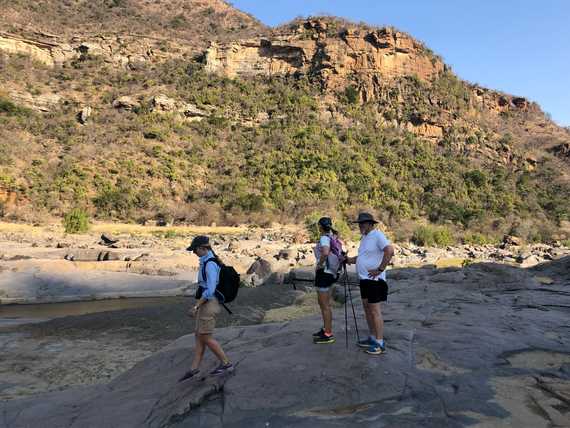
{"x": 382, "y": 66}
{"x": 8, "y": 199}
{"x": 122, "y": 32}
{"x": 336, "y": 57}
{"x": 342, "y": 55}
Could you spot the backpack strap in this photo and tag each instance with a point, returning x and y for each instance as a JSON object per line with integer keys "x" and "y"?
{"x": 226, "y": 308}
{"x": 205, "y": 279}
{"x": 204, "y": 267}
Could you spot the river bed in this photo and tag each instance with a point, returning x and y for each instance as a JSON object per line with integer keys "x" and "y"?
{"x": 47, "y": 347}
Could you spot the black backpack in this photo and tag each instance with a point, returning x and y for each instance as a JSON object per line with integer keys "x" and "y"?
{"x": 228, "y": 284}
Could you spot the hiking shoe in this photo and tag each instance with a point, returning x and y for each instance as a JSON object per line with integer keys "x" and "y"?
{"x": 222, "y": 368}
{"x": 318, "y": 333}
{"x": 189, "y": 374}
{"x": 323, "y": 338}
{"x": 365, "y": 343}
{"x": 376, "y": 349}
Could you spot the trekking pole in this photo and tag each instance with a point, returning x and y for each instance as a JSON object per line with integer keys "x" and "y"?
{"x": 345, "y": 309}
{"x": 347, "y": 285}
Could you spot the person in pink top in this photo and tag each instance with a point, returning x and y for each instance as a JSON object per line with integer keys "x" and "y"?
{"x": 326, "y": 274}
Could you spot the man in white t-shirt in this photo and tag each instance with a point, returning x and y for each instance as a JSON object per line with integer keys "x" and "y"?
{"x": 374, "y": 255}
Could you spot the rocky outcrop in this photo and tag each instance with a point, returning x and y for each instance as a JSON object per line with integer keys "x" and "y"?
{"x": 53, "y": 281}
{"x": 163, "y": 104}
{"x": 501, "y": 103}
{"x": 561, "y": 150}
{"x": 47, "y": 53}
{"x": 10, "y": 200}
{"x": 84, "y": 115}
{"x": 8, "y": 197}
{"x": 118, "y": 50}
{"x": 362, "y": 64}
{"x": 437, "y": 370}
{"x": 366, "y": 57}
{"x": 126, "y": 102}
{"x": 38, "y": 102}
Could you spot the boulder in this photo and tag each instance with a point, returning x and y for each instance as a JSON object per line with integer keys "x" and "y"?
{"x": 300, "y": 237}
{"x": 512, "y": 240}
{"x": 127, "y": 103}
{"x": 162, "y": 103}
{"x": 286, "y": 254}
{"x": 193, "y": 112}
{"x": 107, "y": 240}
{"x": 530, "y": 261}
{"x": 84, "y": 115}
{"x": 91, "y": 256}
{"x": 259, "y": 272}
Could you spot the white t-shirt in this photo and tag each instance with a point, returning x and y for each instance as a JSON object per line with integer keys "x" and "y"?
{"x": 331, "y": 266}
{"x": 371, "y": 253}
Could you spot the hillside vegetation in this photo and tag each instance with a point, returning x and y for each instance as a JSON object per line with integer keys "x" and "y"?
{"x": 264, "y": 149}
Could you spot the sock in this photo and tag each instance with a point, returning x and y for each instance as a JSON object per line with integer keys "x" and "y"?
{"x": 380, "y": 342}
{"x": 328, "y": 333}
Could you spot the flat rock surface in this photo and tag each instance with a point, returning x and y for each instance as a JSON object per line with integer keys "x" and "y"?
{"x": 486, "y": 345}
{"x": 41, "y": 286}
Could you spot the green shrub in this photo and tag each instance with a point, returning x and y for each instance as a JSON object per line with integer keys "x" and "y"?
{"x": 443, "y": 237}
{"x": 477, "y": 239}
{"x": 168, "y": 234}
{"x": 11, "y": 109}
{"x": 427, "y": 236}
{"x": 351, "y": 95}
{"x": 76, "y": 221}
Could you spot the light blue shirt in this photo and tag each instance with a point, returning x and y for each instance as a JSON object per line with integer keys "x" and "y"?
{"x": 209, "y": 283}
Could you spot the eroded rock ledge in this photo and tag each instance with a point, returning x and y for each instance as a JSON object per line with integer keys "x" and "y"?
{"x": 370, "y": 56}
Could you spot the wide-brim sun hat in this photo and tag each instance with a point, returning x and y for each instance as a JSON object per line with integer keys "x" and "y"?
{"x": 365, "y": 218}
{"x": 198, "y": 241}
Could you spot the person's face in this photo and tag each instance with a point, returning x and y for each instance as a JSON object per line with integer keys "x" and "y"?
{"x": 365, "y": 227}
{"x": 201, "y": 251}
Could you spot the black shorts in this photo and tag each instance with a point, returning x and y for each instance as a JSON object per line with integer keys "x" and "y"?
{"x": 324, "y": 280}
{"x": 374, "y": 291}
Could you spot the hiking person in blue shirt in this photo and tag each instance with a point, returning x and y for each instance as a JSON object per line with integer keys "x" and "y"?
{"x": 374, "y": 255}
{"x": 206, "y": 309}
{"x": 325, "y": 276}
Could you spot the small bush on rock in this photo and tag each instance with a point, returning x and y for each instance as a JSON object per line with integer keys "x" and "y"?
{"x": 427, "y": 236}
{"x": 76, "y": 221}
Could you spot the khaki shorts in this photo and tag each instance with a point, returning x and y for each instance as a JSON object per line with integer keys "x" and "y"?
{"x": 206, "y": 316}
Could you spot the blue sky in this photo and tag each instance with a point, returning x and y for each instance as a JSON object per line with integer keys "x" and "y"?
{"x": 521, "y": 47}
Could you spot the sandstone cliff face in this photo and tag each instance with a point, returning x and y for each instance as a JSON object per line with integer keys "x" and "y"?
{"x": 369, "y": 60}
{"x": 117, "y": 50}
{"x": 365, "y": 57}
{"x": 44, "y": 52}
{"x": 8, "y": 199}
{"x": 192, "y": 22}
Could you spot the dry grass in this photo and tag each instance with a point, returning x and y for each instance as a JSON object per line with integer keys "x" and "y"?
{"x": 132, "y": 229}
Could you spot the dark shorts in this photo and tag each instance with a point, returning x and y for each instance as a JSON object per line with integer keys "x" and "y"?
{"x": 323, "y": 280}
{"x": 374, "y": 291}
